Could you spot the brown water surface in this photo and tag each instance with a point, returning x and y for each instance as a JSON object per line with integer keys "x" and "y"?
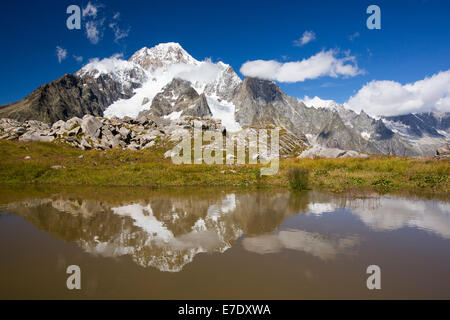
{"x": 221, "y": 244}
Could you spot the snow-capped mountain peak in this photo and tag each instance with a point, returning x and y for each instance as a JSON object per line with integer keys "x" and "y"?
{"x": 154, "y": 68}
{"x": 126, "y": 73}
{"x": 97, "y": 67}
{"x": 317, "y": 102}
{"x": 162, "y": 55}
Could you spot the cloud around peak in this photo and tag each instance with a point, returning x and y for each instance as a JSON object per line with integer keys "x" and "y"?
{"x": 324, "y": 63}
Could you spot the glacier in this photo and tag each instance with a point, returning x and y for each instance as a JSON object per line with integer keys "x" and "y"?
{"x": 154, "y": 68}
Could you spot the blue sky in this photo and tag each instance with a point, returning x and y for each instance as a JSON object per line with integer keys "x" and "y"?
{"x": 413, "y": 43}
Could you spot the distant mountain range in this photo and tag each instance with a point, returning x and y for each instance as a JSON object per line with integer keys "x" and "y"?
{"x": 165, "y": 81}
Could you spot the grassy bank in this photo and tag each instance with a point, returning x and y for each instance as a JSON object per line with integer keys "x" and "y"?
{"x": 149, "y": 168}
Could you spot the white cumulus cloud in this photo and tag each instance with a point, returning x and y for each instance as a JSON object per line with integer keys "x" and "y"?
{"x": 307, "y": 37}
{"x": 118, "y": 55}
{"x": 391, "y": 98}
{"x": 61, "y": 53}
{"x": 118, "y": 32}
{"x": 90, "y": 10}
{"x": 93, "y": 31}
{"x": 78, "y": 58}
{"x": 354, "y": 36}
{"x": 205, "y": 72}
{"x": 93, "y": 24}
{"x": 324, "y": 63}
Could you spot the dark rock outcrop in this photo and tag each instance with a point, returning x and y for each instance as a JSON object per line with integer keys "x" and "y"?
{"x": 178, "y": 96}
{"x": 67, "y": 97}
{"x": 337, "y": 135}
{"x": 421, "y": 124}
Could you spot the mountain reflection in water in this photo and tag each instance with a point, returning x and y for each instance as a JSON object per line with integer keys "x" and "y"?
{"x": 167, "y": 231}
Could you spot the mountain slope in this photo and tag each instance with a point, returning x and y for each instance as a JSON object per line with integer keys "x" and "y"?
{"x": 178, "y": 99}
{"x": 425, "y": 132}
{"x": 67, "y": 97}
{"x": 421, "y": 124}
{"x": 91, "y": 90}
{"x": 376, "y": 131}
{"x": 337, "y": 135}
{"x": 262, "y": 102}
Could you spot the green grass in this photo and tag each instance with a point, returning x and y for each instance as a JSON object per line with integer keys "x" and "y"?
{"x": 148, "y": 168}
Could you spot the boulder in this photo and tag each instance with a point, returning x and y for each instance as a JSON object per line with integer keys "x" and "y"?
{"x": 146, "y": 138}
{"x": 19, "y": 131}
{"x": 58, "y": 125}
{"x": 109, "y": 140}
{"x": 324, "y": 152}
{"x": 127, "y": 119}
{"x": 91, "y": 126}
{"x": 116, "y": 142}
{"x": 107, "y": 133}
{"x": 75, "y": 131}
{"x": 134, "y": 146}
{"x": 72, "y": 123}
{"x": 35, "y": 136}
{"x": 148, "y": 145}
{"x": 36, "y": 125}
{"x": 125, "y": 133}
{"x": 443, "y": 152}
{"x": 85, "y": 145}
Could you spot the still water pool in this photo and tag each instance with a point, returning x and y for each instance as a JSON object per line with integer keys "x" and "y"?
{"x": 221, "y": 244}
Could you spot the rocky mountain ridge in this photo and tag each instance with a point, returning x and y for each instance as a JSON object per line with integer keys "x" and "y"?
{"x": 67, "y": 97}
{"x": 166, "y": 82}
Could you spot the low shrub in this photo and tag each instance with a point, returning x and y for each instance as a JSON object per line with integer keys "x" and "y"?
{"x": 298, "y": 179}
